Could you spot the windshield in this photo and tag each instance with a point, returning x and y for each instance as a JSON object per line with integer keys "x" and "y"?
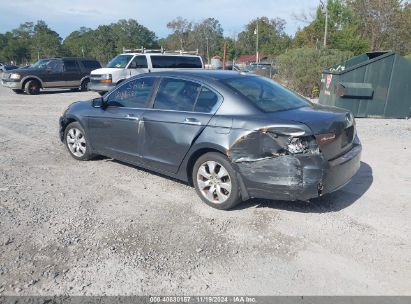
{"x": 119, "y": 61}
{"x": 266, "y": 94}
{"x": 41, "y": 64}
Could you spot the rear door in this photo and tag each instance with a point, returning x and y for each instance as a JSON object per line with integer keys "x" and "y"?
{"x": 181, "y": 110}
{"x": 72, "y": 73}
{"x": 115, "y": 131}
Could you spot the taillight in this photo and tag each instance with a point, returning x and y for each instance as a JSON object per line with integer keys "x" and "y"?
{"x": 323, "y": 139}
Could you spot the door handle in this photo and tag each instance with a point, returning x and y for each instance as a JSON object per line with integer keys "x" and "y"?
{"x": 192, "y": 121}
{"x": 132, "y": 117}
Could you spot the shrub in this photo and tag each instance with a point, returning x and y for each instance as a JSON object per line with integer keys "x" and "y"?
{"x": 300, "y": 69}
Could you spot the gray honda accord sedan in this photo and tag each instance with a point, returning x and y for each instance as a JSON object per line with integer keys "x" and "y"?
{"x": 232, "y": 136}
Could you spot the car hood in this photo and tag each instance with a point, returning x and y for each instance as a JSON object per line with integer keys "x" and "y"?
{"x": 104, "y": 71}
{"x": 22, "y": 71}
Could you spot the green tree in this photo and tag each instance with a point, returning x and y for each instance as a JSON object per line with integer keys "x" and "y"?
{"x": 207, "y": 37}
{"x": 45, "y": 42}
{"x": 384, "y": 23}
{"x": 78, "y": 43}
{"x": 342, "y": 31}
{"x": 132, "y": 35}
{"x": 181, "y": 29}
{"x": 272, "y": 39}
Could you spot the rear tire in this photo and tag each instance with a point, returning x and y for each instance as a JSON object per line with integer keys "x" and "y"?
{"x": 84, "y": 85}
{"x": 18, "y": 91}
{"x": 32, "y": 87}
{"x": 76, "y": 141}
{"x": 215, "y": 181}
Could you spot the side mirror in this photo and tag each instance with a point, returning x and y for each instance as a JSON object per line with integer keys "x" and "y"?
{"x": 99, "y": 103}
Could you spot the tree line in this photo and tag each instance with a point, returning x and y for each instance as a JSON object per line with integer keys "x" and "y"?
{"x": 353, "y": 27}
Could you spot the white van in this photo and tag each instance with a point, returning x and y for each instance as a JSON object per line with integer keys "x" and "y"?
{"x": 126, "y": 65}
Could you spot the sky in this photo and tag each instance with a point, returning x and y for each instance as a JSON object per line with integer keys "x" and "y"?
{"x": 66, "y": 16}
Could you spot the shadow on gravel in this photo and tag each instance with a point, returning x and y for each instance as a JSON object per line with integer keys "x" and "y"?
{"x": 331, "y": 202}
{"x": 58, "y": 91}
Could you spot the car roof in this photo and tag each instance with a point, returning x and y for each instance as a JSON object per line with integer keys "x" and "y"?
{"x": 202, "y": 74}
{"x": 70, "y": 58}
{"x": 162, "y": 54}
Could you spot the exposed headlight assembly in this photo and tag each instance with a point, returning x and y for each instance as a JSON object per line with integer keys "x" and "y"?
{"x": 297, "y": 145}
{"x": 15, "y": 76}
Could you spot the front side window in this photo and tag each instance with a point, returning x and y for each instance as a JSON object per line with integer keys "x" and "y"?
{"x": 41, "y": 64}
{"x": 133, "y": 94}
{"x": 55, "y": 66}
{"x": 266, "y": 94}
{"x": 119, "y": 61}
{"x": 139, "y": 62}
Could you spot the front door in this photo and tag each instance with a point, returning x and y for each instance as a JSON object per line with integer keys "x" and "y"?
{"x": 182, "y": 109}
{"x": 53, "y": 74}
{"x": 115, "y": 130}
{"x": 137, "y": 66}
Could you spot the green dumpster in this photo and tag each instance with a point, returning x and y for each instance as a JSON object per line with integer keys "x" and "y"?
{"x": 376, "y": 84}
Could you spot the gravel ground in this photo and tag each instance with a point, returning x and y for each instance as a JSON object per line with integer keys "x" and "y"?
{"x": 105, "y": 228}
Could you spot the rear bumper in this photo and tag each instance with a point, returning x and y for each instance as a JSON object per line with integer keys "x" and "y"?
{"x": 11, "y": 84}
{"x": 97, "y": 86}
{"x": 299, "y": 177}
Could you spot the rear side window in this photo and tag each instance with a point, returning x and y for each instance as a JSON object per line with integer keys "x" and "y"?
{"x": 70, "y": 66}
{"x": 133, "y": 94}
{"x": 182, "y": 95}
{"x": 177, "y": 94}
{"x": 207, "y": 101}
{"x": 176, "y": 62}
{"x": 91, "y": 64}
{"x": 139, "y": 62}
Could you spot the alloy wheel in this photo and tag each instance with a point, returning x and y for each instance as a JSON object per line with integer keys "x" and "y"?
{"x": 214, "y": 182}
{"x": 76, "y": 142}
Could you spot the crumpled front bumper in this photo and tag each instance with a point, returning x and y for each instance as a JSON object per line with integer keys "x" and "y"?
{"x": 300, "y": 176}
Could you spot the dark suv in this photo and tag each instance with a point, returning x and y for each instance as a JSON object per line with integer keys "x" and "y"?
{"x": 67, "y": 72}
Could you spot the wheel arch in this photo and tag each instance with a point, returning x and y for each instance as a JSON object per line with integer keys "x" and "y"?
{"x": 196, "y": 154}
{"x": 68, "y": 120}
{"x": 31, "y": 77}
{"x": 84, "y": 78}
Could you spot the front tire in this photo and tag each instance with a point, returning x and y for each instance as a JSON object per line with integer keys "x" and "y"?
{"x": 75, "y": 139}
{"x": 32, "y": 87}
{"x": 215, "y": 181}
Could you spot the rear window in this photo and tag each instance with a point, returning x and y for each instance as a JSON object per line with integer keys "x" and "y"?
{"x": 266, "y": 94}
{"x": 176, "y": 62}
{"x": 91, "y": 64}
{"x": 71, "y": 66}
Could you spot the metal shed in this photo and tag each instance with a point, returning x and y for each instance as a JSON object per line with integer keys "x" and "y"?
{"x": 376, "y": 84}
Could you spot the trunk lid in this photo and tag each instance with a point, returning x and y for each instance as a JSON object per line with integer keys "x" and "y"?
{"x": 334, "y": 128}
